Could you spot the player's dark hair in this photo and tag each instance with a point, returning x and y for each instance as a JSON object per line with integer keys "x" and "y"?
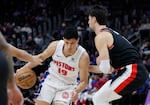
{"x": 100, "y": 12}
{"x": 70, "y": 33}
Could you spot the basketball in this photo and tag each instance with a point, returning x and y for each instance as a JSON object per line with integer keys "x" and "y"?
{"x": 25, "y": 78}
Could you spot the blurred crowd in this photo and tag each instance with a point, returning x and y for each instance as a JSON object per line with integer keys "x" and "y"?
{"x": 33, "y": 26}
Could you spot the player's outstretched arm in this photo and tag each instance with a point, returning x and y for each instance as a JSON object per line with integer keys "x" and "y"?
{"x": 11, "y": 87}
{"x": 5, "y": 49}
{"x": 48, "y": 52}
{"x": 24, "y": 55}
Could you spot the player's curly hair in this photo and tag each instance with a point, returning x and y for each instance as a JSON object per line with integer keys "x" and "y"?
{"x": 100, "y": 12}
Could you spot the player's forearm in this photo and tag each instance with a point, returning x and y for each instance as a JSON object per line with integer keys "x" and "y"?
{"x": 29, "y": 65}
{"x": 81, "y": 87}
{"x": 94, "y": 69}
{"x": 32, "y": 64}
{"x": 25, "y": 56}
{"x": 20, "y": 54}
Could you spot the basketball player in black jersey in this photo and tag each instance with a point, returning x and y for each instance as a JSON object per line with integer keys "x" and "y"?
{"x": 4, "y": 76}
{"x": 116, "y": 54}
{"x": 7, "y": 81}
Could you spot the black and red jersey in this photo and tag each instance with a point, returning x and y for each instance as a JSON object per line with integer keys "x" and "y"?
{"x": 122, "y": 52}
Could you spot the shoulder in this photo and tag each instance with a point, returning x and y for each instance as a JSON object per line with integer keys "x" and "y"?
{"x": 53, "y": 43}
{"x": 52, "y": 46}
{"x": 84, "y": 56}
{"x": 103, "y": 35}
{"x": 104, "y": 38}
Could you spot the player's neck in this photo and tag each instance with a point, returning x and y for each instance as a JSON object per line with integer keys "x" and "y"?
{"x": 69, "y": 53}
{"x": 98, "y": 28}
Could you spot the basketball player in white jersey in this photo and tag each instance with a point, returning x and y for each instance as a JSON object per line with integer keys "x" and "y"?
{"x": 69, "y": 60}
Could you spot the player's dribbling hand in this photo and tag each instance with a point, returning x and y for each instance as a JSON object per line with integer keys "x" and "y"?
{"x": 15, "y": 96}
{"x": 74, "y": 96}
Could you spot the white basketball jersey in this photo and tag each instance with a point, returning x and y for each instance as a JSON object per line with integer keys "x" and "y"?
{"x": 65, "y": 69}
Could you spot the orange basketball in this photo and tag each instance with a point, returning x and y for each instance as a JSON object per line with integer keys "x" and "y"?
{"x": 25, "y": 78}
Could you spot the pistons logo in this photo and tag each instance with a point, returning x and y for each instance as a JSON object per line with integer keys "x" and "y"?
{"x": 65, "y": 95}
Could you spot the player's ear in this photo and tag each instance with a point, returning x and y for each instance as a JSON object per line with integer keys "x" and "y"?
{"x": 94, "y": 19}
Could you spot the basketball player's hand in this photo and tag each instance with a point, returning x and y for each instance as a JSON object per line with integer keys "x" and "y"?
{"x": 37, "y": 60}
{"x": 15, "y": 96}
{"x": 74, "y": 96}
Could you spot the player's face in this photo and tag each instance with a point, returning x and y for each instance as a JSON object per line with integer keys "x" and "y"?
{"x": 70, "y": 45}
{"x": 91, "y": 22}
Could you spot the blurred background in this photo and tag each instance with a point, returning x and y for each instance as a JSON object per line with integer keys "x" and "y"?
{"x": 32, "y": 24}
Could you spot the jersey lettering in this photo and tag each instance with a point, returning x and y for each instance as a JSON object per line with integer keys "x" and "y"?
{"x": 63, "y": 68}
{"x": 64, "y": 65}
{"x": 62, "y": 71}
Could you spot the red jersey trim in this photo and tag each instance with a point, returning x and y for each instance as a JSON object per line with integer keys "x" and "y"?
{"x": 128, "y": 80}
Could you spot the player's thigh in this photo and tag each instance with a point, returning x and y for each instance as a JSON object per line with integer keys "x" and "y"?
{"x": 39, "y": 102}
{"x": 45, "y": 95}
{"x": 63, "y": 97}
